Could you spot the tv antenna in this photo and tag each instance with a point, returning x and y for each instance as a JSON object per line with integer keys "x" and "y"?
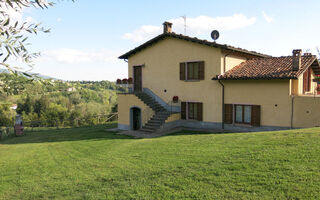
{"x": 185, "y": 24}
{"x": 215, "y": 35}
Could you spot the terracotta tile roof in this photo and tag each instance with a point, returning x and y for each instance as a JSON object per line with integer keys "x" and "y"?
{"x": 270, "y": 68}
{"x": 190, "y": 39}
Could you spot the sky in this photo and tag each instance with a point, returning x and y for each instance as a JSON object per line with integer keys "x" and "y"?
{"x": 87, "y": 37}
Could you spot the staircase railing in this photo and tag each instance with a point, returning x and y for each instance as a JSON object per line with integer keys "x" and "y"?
{"x": 173, "y": 105}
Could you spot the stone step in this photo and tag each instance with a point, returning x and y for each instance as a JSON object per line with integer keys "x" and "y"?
{"x": 152, "y": 126}
{"x": 147, "y": 130}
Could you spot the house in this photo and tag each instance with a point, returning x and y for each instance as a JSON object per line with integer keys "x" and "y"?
{"x": 181, "y": 81}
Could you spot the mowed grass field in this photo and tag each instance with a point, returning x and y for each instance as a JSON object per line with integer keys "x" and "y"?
{"x": 92, "y": 163}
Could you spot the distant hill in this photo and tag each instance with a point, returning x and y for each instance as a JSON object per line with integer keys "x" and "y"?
{"x": 39, "y": 75}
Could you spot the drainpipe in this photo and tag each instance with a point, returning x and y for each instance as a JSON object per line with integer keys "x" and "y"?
{"x": 222, "y": 103}
{"x": 292, "y": 107}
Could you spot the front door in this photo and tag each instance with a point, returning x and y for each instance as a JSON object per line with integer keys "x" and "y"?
{"x": 136, "y": 118}
{"x": 137, "y": 78}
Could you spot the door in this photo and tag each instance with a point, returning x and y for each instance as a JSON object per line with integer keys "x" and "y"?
{"x": 136, "y": 118}
{"x": 137, "y": 78}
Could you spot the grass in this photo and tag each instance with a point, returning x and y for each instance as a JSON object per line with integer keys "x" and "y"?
{"x": 91, "y": 163}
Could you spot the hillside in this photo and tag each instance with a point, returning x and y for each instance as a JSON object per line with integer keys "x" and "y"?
{"x": 57, "y": 103}
{"x": 92, "y": 163}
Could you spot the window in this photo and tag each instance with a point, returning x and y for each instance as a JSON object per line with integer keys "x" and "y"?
{"x": 242, "y": 114}
{"x": 192, "y": 70}
{"x": 191, "y": 111}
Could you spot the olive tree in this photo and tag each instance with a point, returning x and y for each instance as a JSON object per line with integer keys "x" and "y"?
{"x": 14, "y": 36}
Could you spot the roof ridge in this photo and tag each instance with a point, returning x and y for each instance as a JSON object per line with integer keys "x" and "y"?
{"x": 192, "y": 39}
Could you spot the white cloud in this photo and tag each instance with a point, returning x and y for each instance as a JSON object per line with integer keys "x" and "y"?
{"x": 268, "y": 18}
{"x": 143, "y": 32}
{"x": 74, "y": 56}
{"x": 195, "y": 26}
{"x": 59, "y": 19}
{"x": 73, "y": 64}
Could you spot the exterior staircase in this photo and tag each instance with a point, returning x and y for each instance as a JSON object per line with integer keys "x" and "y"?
{"x": 160, "y": 116}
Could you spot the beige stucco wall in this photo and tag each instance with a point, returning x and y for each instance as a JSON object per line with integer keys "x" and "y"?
{"x": 173, "y": 117}
{"x": 306, "y": 111}
{"x": 127, "y": 101}
{"x": 268, "y": 94}
{"x": 161, "y": 72}
{"x": 230, "y": 62}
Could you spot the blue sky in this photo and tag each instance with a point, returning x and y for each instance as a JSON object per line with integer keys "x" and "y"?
{"x": 87, "y": 36}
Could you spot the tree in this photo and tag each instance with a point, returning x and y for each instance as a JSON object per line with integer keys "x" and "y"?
{"x": 14, "y": 34}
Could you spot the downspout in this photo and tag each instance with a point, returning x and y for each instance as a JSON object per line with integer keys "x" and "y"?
{"x": 292, "y": 107}
{"x": 222, "y": 103}
{"x": 224, "y": 70}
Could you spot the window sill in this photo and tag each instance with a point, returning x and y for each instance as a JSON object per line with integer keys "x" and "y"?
{"x": 191, "y": 80}
{"x": 243, "y": 125}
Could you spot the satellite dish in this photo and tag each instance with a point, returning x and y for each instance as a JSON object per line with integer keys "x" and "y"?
{"x": 215, "y": 35}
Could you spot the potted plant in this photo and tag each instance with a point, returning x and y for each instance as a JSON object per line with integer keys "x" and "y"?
{"x": 124, "y": 81}
{"x": 175, "y": 99}
{"x": 317, "y": 79}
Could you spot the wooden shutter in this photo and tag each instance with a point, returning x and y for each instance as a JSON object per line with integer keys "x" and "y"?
{"x": 200, "y": 111}
{"x": 182, "y": 71}
{"x": 183, "y": 110}
{"x": 228, "y": 113}
{"x": 255, "y": 115}
{"x": 309, "y": 79}
{"x": 305, "y": 81}
{"x": 201, "y": 70}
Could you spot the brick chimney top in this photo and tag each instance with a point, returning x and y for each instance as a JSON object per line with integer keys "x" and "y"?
{"x": 296, "y": 59}
{"x": 307, "y": 54}
{"x": 167, "y": 27}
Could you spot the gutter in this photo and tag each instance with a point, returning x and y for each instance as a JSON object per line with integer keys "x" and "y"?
{"x": 222, "y": 125}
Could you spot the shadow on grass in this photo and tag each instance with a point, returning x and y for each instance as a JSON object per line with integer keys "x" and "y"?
{"x": 98, "y": 132}
{"x": 197, "y": 132}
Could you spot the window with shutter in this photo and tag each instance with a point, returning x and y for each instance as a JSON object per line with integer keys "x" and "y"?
{"x": 246, "y": 114}
{"x": 192, "y": 70}
{"x": 192, "y": 111}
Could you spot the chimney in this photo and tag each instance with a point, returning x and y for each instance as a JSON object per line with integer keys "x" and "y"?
{"x": 167, "y": 27}
{"x": 296, "y": 59}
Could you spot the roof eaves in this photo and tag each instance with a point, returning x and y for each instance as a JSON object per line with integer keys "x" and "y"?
{"x": 191, "y": 39}
{"x": 308, "y": 64}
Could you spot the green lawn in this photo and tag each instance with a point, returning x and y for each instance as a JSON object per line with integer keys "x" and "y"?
{"x": 91, "y": 163}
